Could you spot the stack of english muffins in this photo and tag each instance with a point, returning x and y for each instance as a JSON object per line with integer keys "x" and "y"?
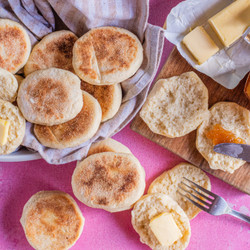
{"x": 69, "y": 87}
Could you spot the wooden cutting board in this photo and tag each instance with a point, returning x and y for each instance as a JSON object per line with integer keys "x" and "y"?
{"x": 185, "y": 146}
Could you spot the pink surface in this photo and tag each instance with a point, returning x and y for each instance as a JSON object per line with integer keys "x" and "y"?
{"x": 104, "y": 230}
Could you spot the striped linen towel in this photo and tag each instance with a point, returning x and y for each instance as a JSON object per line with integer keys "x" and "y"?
{"x": 79, "y": 16}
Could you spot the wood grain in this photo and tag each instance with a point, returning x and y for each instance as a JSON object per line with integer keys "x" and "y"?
{"x": 185, "y": 146}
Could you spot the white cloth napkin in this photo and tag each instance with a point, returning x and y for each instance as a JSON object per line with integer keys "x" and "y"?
{"x": 80, "y": 16}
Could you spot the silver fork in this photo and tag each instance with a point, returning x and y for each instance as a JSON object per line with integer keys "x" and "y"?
{"x": 212, "y": 203}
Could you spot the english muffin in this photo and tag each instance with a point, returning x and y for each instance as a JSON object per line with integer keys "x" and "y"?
{"x": 54, "y": 50}
{"x": 232, "y": 118}
{"x": 107, "y": 55}
{"x": 19, "y": 79}
{"x": 167, "y": 183}
{"x": 52, "y": 220}
{"x": 50, "y": 96}
{"x": 15, "y": 45}
{"x": 109, "y": 97}
{"x": 111, "y": 181}
{"x": 8, "y": 86}
{"x": 16, "y": 131}
{"x": 74, "y": 132}
{"x": 108, "y": 145}
{"x": 152, "y": 205}
{"x": 176, "y": 106}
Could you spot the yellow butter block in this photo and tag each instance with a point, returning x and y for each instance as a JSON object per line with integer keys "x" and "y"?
{"x": 4, "y": 129}
{"x": 165, "y": 229}
{"x": 231, "y": 22}
{"x": 200, "y": 44}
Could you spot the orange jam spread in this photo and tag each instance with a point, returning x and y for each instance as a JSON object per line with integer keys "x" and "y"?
{"x": 220, "y": 135}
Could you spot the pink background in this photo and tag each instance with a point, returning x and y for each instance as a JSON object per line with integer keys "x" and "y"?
{"x": 103, "y": 230}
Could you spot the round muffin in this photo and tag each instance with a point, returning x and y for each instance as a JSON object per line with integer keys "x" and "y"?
{"x": 8, "y": 86}
{"x": 152, "y": 205}
{"x": 54, "y": 50}
{"x": 107, "y": 55}
{"x": 50, "y": 96}
{"x": 111, "y": 181}
{"x": 52, "y": 220}
{"x": 75, "y": 131}
{"x": 231, "y": 117}
{"x": 15, "y": 45}
{"x": 108, "y": 145}
{"x": 176, "y": 106}
{"x": 167, "y": 183}
{"x": 109, "y": 97}
{"x": 17, "y": 126}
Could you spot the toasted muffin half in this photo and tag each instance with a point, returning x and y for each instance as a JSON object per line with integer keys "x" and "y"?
{"x": 110, "y": 181}
{"x": 52, "y": 220}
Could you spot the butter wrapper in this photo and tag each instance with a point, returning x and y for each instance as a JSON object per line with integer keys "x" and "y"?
{"x": 229, "y": 65}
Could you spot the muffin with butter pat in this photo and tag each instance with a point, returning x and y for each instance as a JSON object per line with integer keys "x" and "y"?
{"x": 161, "y": 222}
{"x": 12, "y": 127}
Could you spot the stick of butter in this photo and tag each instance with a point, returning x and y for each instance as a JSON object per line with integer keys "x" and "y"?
{"x": 165, "y": 229}
{"x": 4, "y": 129}
{"x": 200, "y": 44}
{"x": 230, "y": 23}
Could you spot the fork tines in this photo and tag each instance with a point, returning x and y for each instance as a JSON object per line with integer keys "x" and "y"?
{"x": 189, "y": 194}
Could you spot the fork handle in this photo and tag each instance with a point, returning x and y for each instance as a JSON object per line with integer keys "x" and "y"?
{"x": 239, "y": 215}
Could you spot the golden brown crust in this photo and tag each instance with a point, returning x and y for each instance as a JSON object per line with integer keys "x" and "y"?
{"x": 50, "y": 96}
{"x": 105, "y": 95}
{"x": 86, "y": 51}
{"x": 55, "y": 50}
{"x": 77, "y": 129}
{"x": 9, "y": 36}
{"x": 108, "y": 145}
{"x": 115, "y": 57}
{"x": 101, "y": 149}
{"x": 99, "y": 174}
{"x": 42, "y": 92}
{"x": 52, "y": 220}
{"x": 108, "y": 180}
{"x": 107, "y": 55}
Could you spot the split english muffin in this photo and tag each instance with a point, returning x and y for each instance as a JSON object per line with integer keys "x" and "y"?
{"x": 74, "y": 132}
{"x": 109, "y": 97}
{"x": 176, "y": 106}
{"x": 107, "y": 55}
{"x": 108, "y": 145}
{"x": 54, "y": 50}
{"x": 167, "y": 183}
{"x": 8, "y": 86}
{"x": 50, "y": 97}
{"x": 110, "y": 181}
{"x": 16, "y": 129}
{"x": 151, "y": 206}
{"x": 15, "y": 45}
{"x": 52, "y": 220}
{"x": 231, "y": 118}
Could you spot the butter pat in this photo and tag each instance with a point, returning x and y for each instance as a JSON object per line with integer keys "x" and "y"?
{"x": 4, "y": 129}
{"x": 230, "y": 23}
{"x": 200, "y": 44}
{"x": 165, "y": 229}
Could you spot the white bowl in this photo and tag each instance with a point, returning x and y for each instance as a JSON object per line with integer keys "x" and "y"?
{"x": 20, "y": 155}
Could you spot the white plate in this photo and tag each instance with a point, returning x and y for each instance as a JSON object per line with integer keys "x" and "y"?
{"x": 20, "y": 155}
